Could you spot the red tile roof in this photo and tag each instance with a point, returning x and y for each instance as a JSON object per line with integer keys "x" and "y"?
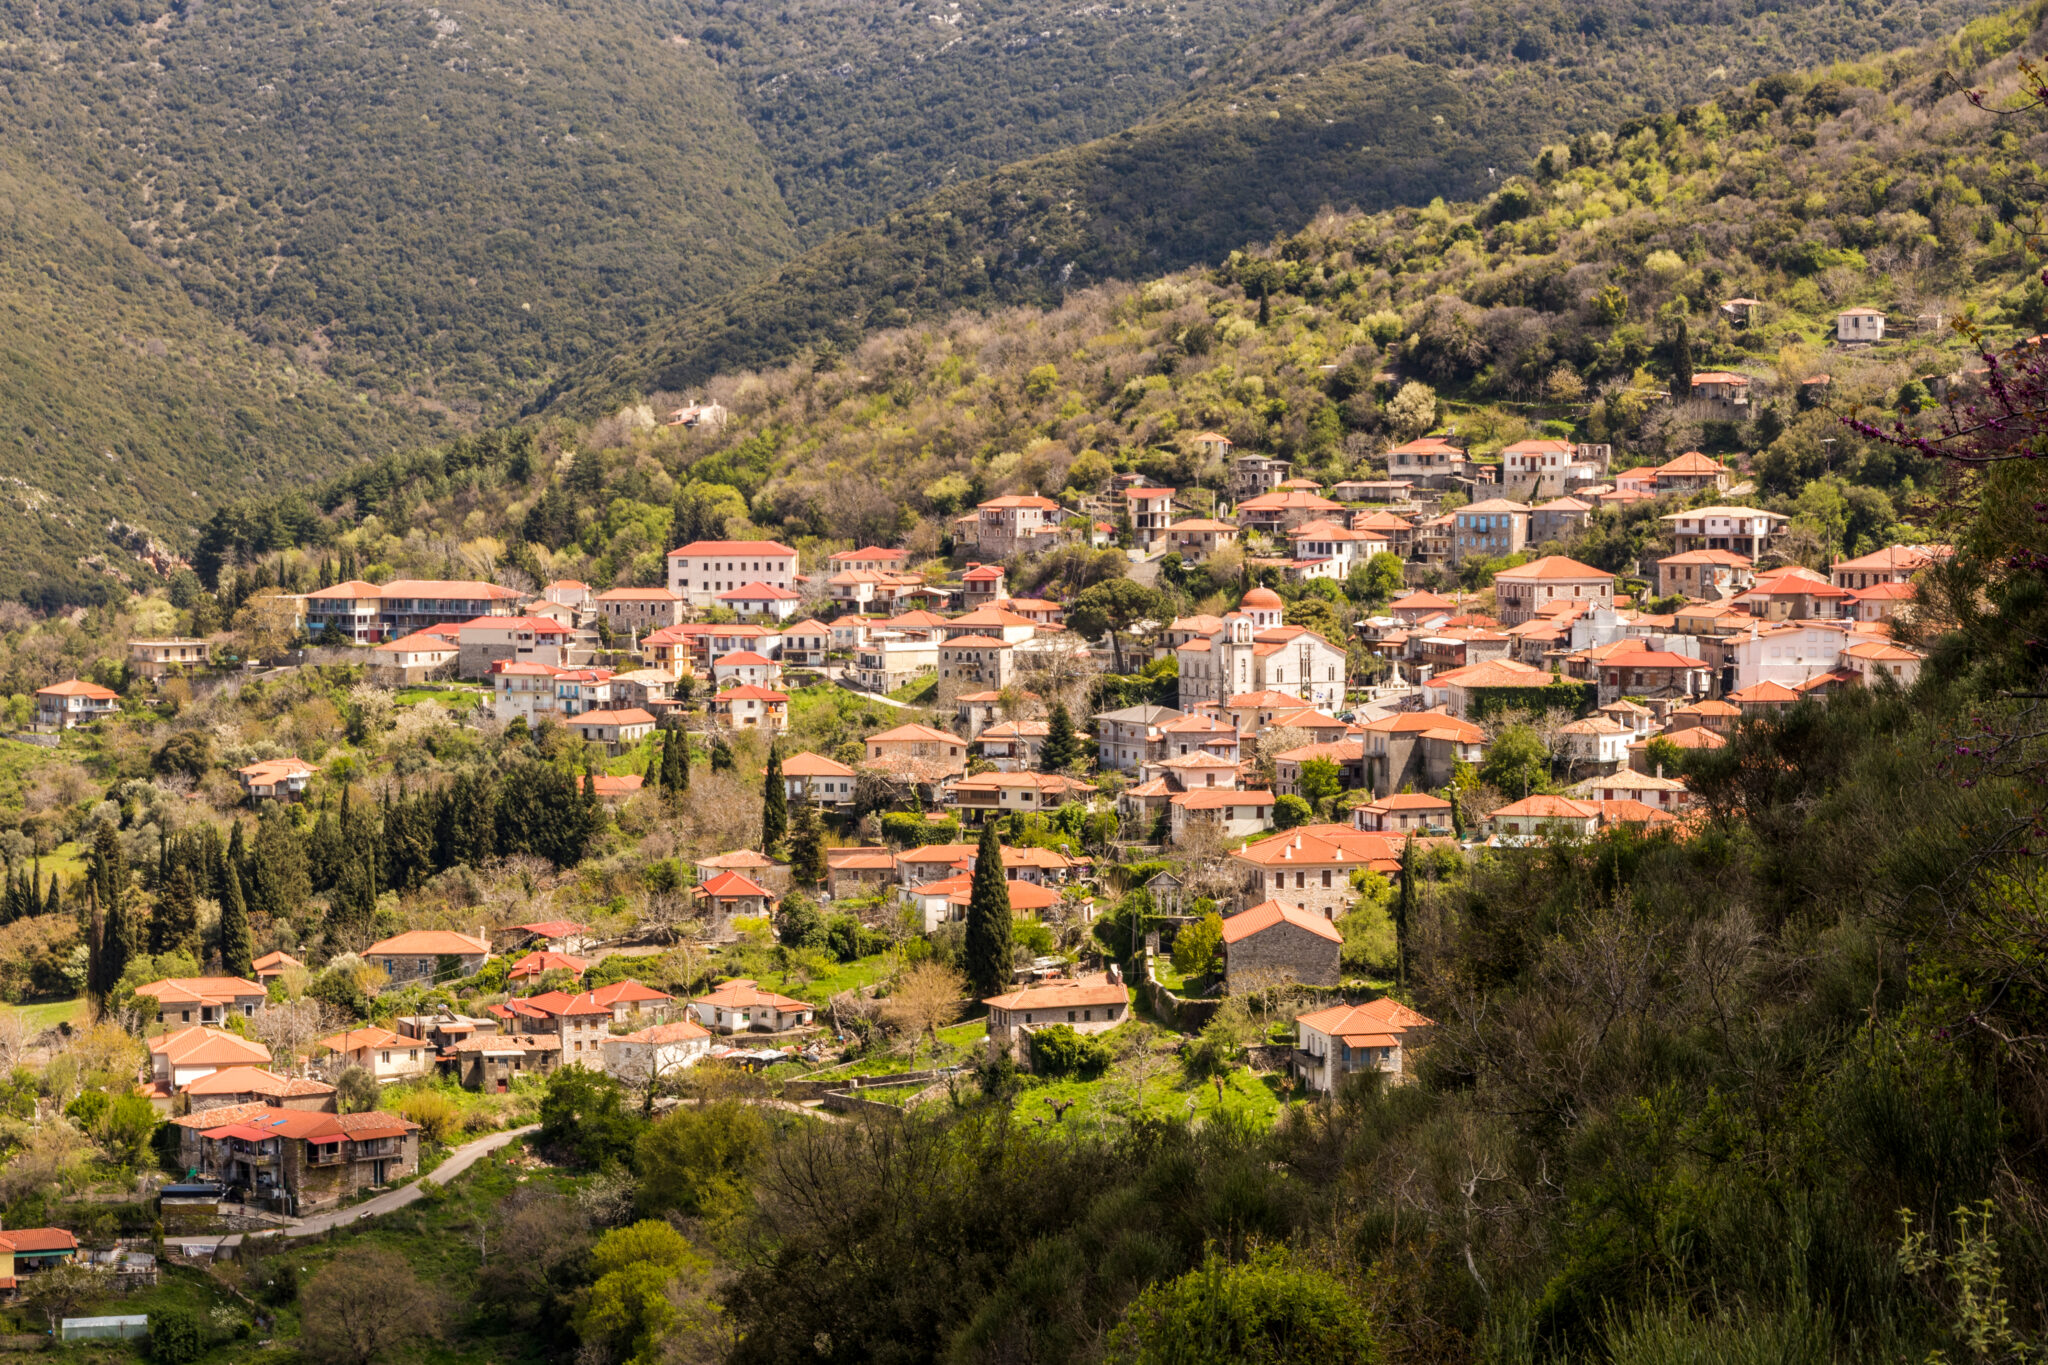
{"x": 1269, "y": 914}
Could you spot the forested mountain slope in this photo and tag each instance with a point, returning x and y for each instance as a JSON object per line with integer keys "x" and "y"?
{"x": 125, "y": 401}
{"x": 866, "y": 107}
{"x": 451, "y": 200}
{"x": 1362, "y": 110}
{"x": 1551, "y": 308}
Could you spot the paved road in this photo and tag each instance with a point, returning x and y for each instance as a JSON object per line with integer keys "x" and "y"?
{"x": 459, "y": 1160}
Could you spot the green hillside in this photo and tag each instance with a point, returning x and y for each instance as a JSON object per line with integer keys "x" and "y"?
{"x": 1429, "y": 107}
{"x": 124, "y": 401}
{"x": 1551, "y": 308}
{"x": 448, "y": 202}
{"x": 864, "y": 108}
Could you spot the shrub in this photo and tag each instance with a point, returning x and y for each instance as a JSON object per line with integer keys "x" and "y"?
{"x": 1060, "y": 1051}
{"x": 1263, "y": 1312}
{"x": 175, "y": 1336}
{"x": 437, "y": 1115}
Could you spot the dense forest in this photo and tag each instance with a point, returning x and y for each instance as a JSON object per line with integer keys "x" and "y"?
{"x": 1434, "y": 105}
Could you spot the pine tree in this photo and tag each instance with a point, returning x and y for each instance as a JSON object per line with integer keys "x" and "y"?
{"x": 237, "y": 943}
{"x": 988, "y": 920}
{"x": 1062, "y": 746}
{"x": 174, "y": 924}
{"x": 774, "y": 804}
{"x": 807, "y": 845}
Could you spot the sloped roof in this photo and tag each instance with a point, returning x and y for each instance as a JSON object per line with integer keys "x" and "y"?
{"x": 1269, "y": 914}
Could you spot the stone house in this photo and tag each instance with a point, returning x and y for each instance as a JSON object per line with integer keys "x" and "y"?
{"x": 1273, "y": 944}
{"x": 419, "y": 955}
{"x": 1332, "y": 1043}
{"x": 297, "y": 1162}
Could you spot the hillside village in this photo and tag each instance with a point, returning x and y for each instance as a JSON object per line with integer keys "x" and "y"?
{"x": 1107, "y": 789}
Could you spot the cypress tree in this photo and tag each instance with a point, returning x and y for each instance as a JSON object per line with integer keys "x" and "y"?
{"x": 675, "y": 764}
{"x": 120, "y": 938}
{"x": 174, "y": 925}
{"x": 1062, "y": 746}
{"x": 279, "y": 883}
{"x": 352, "y": 908}
{"x": 657, "y": 758}
{"x": 807, "y": 845}
{"x": 55, "y": 904}
{"x": 721, "y": 756}
{"x": 774, "y": 804}
{"x": 237, "y": 943}
{"x": 237, "y": 855}
{"x": 326, "y": 851}
{"x": 988, "y": 920}
{"x": 1404, "y": 910}
{"x": 1681, "y": 363}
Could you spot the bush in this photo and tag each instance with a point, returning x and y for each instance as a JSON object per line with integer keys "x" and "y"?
{"x": 1195, "y": 947}
{"x": 1060, "y": 1051}
{"x": 437, "y": 1115}
{"x": 1263, "y": 1312}
{"x": 175, "y": 1336}
{"x": 356, "y": 1090}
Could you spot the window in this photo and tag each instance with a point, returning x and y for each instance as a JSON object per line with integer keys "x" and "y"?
{"x": 384, "y": 1056}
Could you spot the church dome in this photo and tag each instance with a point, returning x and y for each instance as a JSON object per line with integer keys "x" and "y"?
{"x": 1261, "y": 599}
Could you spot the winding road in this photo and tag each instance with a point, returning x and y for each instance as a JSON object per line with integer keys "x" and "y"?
{"x": 459, "y": 1160}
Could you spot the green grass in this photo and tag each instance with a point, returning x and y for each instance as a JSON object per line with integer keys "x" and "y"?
{"x": 918, "y": 691}
{"x": 48, "y": 1013}
{"x": 1168, "y": 1093}
{"x": 453, "y": 697}
{"x": 18, "y": 765}
{"x": 846, "y": 976}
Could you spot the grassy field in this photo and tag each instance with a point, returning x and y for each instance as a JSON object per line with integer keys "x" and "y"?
{"x": 918, "y": 691}
{"x": 18, "y": 765}
{"x": 1127, "y": 1092}
{"x": 48, "y": 1014}
{"x": 451, "y": 696}
{"x": 845, "y": 976}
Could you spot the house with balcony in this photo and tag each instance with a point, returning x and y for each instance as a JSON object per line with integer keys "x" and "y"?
{"x": 748, "y": 707}
{"x": 1707, "y": 575}
{"x": 1489, "y": 529}
{"x": 209, "y": 1000}
{"x": 275, "y": 779}
{"x": 617, "y": 730}
{"x": 1747, "y": 531}
{"x": 1336, "y": 1042}
{"x": 297, "y": 1162}
{"x": 1021, "y": 523}
{"x": 1400, "y": 814}
{"x": 1428, "y": 462}
{"x": 68, "y": 705}
{"x": 1522, "y": 592}
{"x": 1274, "y": 514}
{"x": 1726, "y": 392}
{"x": 155, "y": 659}
{"x": 976, "y": 799}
